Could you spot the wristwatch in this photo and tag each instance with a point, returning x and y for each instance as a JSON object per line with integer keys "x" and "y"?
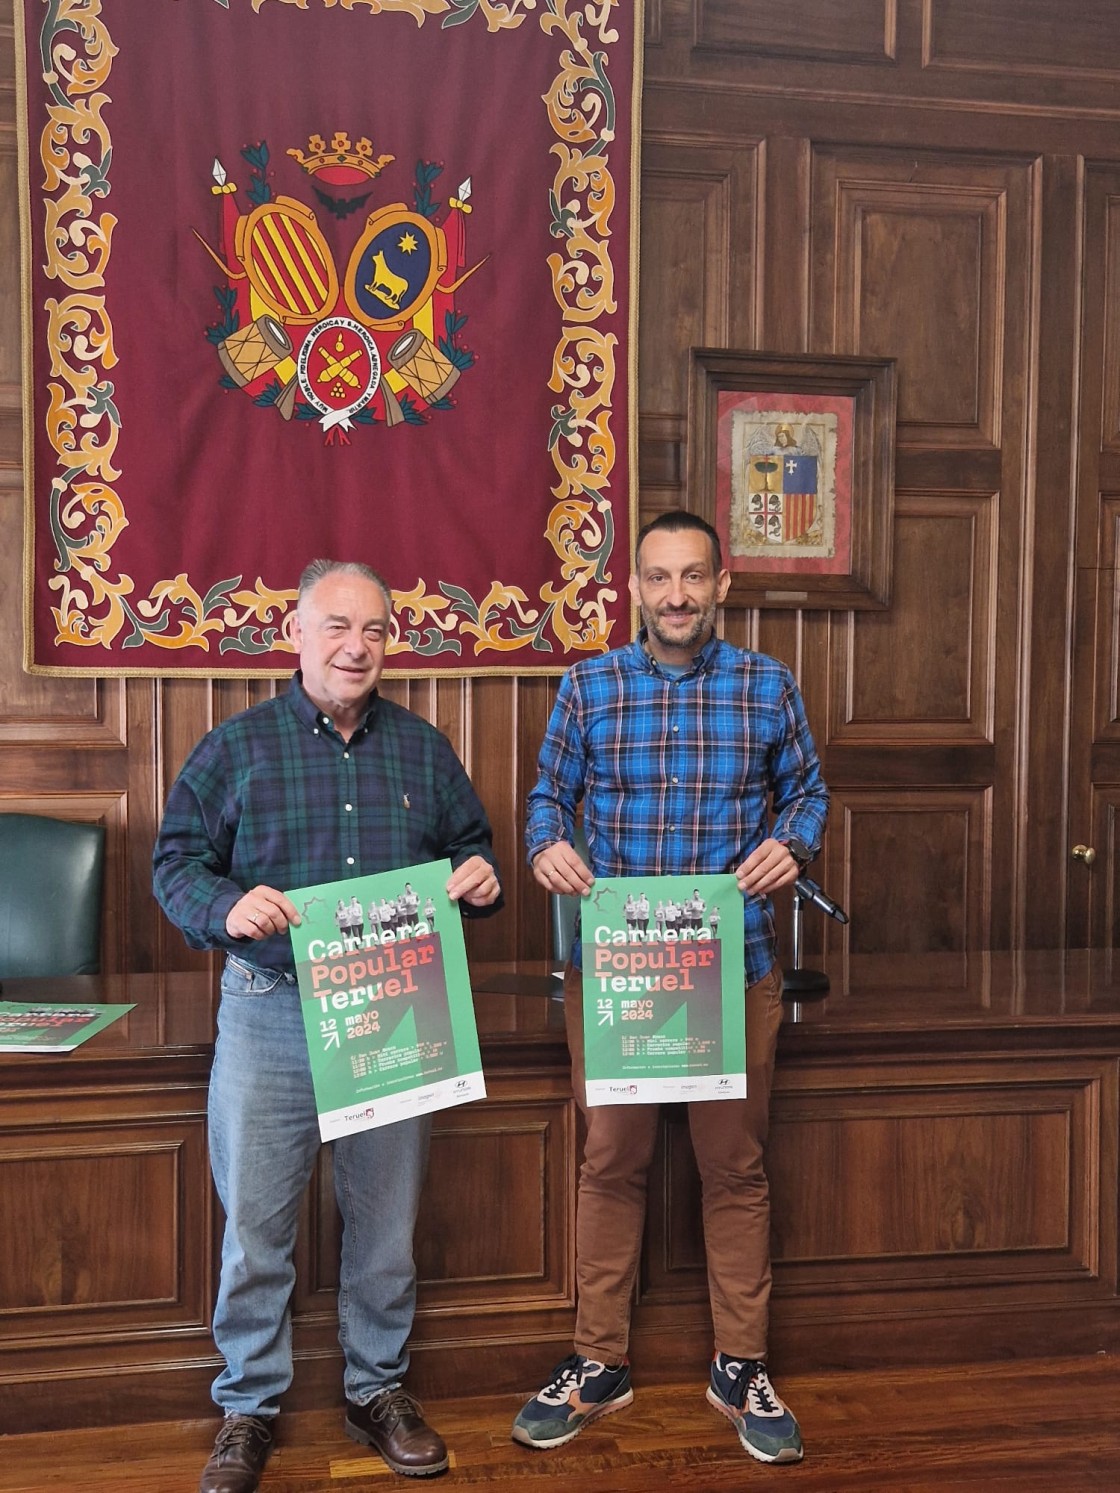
{"x": 799, "y": 850}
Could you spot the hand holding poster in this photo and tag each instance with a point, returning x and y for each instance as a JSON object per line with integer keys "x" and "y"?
{"x": 663, "y": 1010}
{"x": 386, "y": 998}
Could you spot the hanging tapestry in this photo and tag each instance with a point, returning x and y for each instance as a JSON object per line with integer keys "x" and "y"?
{"x": 342, "y": 278}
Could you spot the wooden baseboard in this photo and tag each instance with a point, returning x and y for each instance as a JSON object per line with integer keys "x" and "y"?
{"x": 660, "y": 1354}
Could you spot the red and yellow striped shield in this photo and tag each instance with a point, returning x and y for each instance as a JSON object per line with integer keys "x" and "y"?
{"x": 289, "y": 263}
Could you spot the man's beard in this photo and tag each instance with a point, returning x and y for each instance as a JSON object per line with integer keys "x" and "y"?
{"x": 703, "y": 622}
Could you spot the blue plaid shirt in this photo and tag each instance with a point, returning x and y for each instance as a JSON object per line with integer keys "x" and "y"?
{"x": 679, "y": 773}
{"x": 275, "y": 796}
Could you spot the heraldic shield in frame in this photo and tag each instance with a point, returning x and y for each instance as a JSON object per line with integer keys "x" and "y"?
{"x": 791, "y": 459}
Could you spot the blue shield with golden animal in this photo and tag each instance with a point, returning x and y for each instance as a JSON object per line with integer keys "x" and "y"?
{"x": 394, "y": 268}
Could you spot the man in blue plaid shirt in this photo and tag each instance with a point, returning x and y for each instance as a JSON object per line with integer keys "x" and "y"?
{"x": 323, "y": 782}
{"x": 680, "y": 746}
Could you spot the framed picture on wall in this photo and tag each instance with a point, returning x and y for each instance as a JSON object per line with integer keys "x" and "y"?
{"x": 791, "y": 459}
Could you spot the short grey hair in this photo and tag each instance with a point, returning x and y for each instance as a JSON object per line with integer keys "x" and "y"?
{"x": 318, "y": 569}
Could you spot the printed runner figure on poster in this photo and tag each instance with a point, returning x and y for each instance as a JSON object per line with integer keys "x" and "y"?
{"x": 386, "y": 1002}
{"x": 663, "y": 992}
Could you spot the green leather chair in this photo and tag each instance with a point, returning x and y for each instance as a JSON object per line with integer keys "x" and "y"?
{"x": 51, "y": 873}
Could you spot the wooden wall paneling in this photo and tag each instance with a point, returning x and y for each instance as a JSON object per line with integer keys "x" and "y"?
{"x": 145, "y": 804}
{"x": 917, "y": 270}
{"x": 185, "y": 713}
{"x": 943, "y": 1190}
{"x": 917, "y": 868}
{"x": 1106, "y": 693}
{"x": 801, "y": 641}
{"x": 924, "y": 670}
{"x": 1094, "y": 717}
{"x": 1102, "y": 878}
{"x": 845, "y": 31}
{"x": 991, "y": 1171}
{"x": 653, "y": 21}
{"x": 673, "y": 1267}
{"x": 230, "y": 696}
{"x": 418, "y": 695}
{"x": 1049, "y": 572}
{"x": 104, "y": 1254}
{"x": 470, "y": 1252}
{"x": 987, "y": 1175}
{"x": 491, "y": 726}
{"x": 911, "y": 709}
{"x": 75, "y": 716}
{"x": 741, "y": 627}
{"x": 1082, "y": 826}
{"x": 698, "y": 284}
{"x": 930, "y": 256}
{"x": 1097, "y": 883}
{"x": 452, "y": 711}
{"x": 532, "y": 935}
{"x": 963, "y": 1194}
{"x": 1101, "y": 297}
{"x": 111, "y": 1183}
{"x": 765, "y": 245}
{"x": 172, "y": 1018}
{"x": 1023, "y": 37}
{"x": 1006, "y": 1185}
{"x": 786, "y": 239}
{"x": 990, "y": 64}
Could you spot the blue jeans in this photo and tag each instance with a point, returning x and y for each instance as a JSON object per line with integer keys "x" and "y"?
{"x": 264, "y": 1140}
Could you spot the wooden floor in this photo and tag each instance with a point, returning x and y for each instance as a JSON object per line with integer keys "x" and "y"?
{"x": 1040, "y": 1424}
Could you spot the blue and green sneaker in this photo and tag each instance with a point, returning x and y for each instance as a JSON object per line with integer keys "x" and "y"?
{"x": 741, "y": 1390}
{"x": 580, "y": 1390}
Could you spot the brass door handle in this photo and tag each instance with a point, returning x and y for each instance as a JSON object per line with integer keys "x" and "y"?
{"x": 1084, "y": 853}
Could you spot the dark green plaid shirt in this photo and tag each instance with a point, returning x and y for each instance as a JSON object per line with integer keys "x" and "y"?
{"x": 275, "y": 797}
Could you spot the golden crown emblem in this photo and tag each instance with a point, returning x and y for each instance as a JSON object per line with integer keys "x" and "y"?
{"x": 340, "y": 163}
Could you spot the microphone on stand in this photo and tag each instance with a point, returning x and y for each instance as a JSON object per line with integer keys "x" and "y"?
{"x": 797, "y": 982}
{"x": 808, "y": 891}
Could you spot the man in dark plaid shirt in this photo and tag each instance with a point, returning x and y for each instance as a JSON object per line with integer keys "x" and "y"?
{"x": 679, "y": 746}
{"x": 326, "y": 781}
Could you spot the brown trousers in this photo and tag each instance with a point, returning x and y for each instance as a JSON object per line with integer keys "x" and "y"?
{"x": 728, "y": 1138}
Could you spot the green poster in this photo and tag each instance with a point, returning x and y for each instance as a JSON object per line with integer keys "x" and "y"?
{"x": 27, "y": 1026}
{"x": 386, "y": 998}
{"x": 663, "y": 1010}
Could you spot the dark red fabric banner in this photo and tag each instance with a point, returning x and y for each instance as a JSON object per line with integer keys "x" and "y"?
{"x": 327, "y": 278}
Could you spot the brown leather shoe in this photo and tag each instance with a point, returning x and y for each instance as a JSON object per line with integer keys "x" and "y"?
{"x": 393, "y": 1425}
{"x": 241, "y": 1449}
